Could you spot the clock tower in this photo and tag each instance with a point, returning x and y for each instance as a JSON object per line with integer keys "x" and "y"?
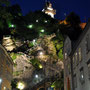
{"x": 49, "y": 10}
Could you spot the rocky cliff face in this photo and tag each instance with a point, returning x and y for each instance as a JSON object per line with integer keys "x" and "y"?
{"x": 36, "y": 63}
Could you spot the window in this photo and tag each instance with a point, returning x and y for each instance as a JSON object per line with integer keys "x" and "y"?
{"x": 74, "y": 62}
{"x": 69, "y": 68}
{"x": 76, "y": 57}
{"x": 87, "y": 42}
{"x": 75, "y": 81}
{"x": 65, "y": 55}
{"x": 73, "y": 59}
{"x": 89, "y": 70}
{"x": 88, "y": 64}
{"x": 80, "y": 56}
{"x": 82, "y": 80}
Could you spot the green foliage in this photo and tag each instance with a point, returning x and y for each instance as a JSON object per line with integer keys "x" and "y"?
{"x": 14, "y": 55}
{"x": 36, "y": 63}
{"x": 31, "y": 44}
{"x": 17, "y": 73}
{"x": 59, "y": 47}
{"x": 4, "y": 2}
{"x": 57, "y": 84}
{"x": 14, "y": 83}
{"x": 60, "y": 54}
{"x": 73, "y": 19}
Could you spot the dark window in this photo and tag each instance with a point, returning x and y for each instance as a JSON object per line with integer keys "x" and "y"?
{"x": 75, "y": 81}
{"x": 69, "y": 67}
{"x": 80, "y": 54}
{"x": 87, "y": 42}
{"x": 88, "y": 64}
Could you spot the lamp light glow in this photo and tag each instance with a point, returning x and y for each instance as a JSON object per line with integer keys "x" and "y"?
{"x": 20, "y": 85}
{"x": 42, "y": 30}
{"x": 41, "y": 53}
{"x": 30, "y": 26}
{"x": 11, "y": 25}
{"x": 36, "y": 76}
{"x": 40, "y": 66}
{"x": 4, "y": 88}
{"x": 45, "y": 21}
{"x": 36, "y": 20}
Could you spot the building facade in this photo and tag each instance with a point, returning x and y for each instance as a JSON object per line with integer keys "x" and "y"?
{"x": 6, "y": 69}
{"x": 77, "y": 62}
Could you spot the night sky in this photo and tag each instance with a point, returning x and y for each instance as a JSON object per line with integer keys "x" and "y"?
{"x": 63, "y": 7}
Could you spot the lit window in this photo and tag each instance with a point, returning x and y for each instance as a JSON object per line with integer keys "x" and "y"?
{"x": 82, "y": 80}
{"x": 76, "y": 57}
{"x": 80, "y": 56}
{"x": 65, "y": 55}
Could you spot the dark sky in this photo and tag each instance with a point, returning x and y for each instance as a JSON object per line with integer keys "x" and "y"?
{"x": 63, "y": 7}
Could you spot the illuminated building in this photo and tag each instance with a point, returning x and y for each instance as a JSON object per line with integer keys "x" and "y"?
{"x": 49, "y": 10}
{"x": 6, "y": 69}
{"x": 77, "y": 61}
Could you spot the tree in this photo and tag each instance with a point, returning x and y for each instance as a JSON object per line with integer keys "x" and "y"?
{"x": 73, "y": 19}
{"x": 4, "y": 2}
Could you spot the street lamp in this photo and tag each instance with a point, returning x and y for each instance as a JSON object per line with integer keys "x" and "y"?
{"x": 36, "y": 20}
{"x": 20, "y": 85}
{"x": 42, "y": 30}
{"x": 40, "y": 66}
{"x": 4, "y": 88}
{"x": 41, "y": 53}
{"x": 45, "y": 21}
{"x": 11, "y": 25}
{"x": 30, "y": 26}
{"x": 36, "y": 76}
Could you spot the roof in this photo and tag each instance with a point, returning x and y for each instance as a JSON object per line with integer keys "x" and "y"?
{"x": 82, "y": 25}
{"x": 81, "y": 37}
